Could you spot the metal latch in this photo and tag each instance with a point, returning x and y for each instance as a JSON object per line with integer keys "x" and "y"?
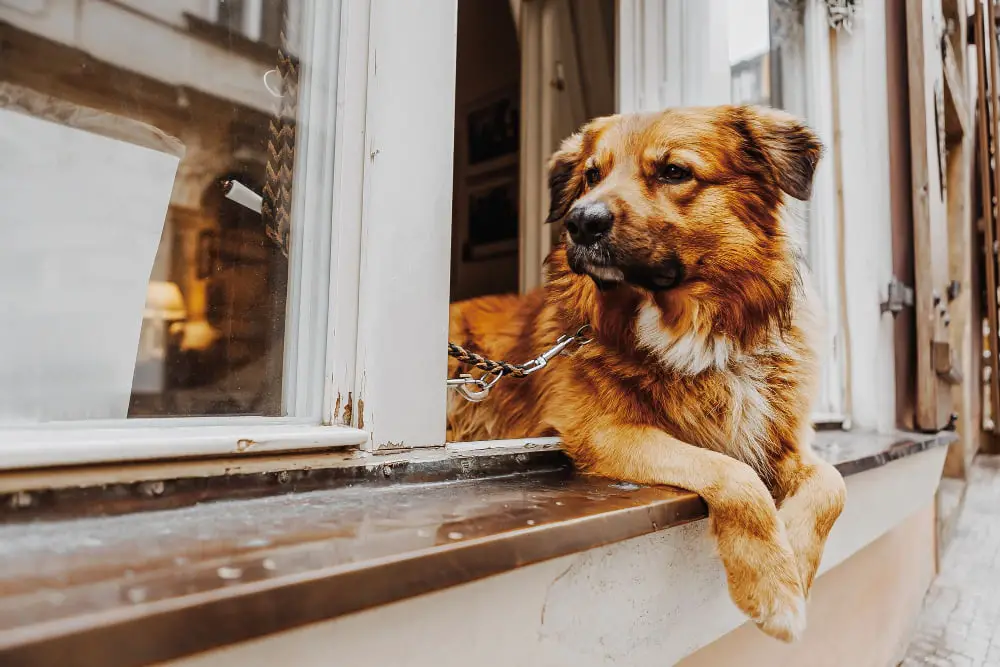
{"x": 898, "y": 296}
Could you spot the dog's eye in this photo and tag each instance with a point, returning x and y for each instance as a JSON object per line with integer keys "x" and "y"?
{"x": 593, "y": 176}
{"x": 673, "y": 173}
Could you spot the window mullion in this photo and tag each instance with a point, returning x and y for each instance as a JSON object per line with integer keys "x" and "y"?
{"x": 405, "y": 255}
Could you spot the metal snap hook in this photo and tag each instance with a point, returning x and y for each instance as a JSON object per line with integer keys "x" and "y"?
{"x": 463, "y": 384}
{"x": 274, "y": 90}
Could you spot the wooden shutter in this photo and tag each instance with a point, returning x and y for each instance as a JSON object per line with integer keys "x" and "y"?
{"x": 935, "y": 357}
{"x": 988, "y": 185}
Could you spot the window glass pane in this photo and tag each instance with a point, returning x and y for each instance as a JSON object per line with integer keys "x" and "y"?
{"x": 143, "y": 291}
{"x": 767, "y": 66}
{"x": 749, "y": 52}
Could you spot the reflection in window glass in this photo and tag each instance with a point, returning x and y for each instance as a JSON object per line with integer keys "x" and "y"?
{"x": 767, "y": 66}
{"x": 749, "y": 52}
{"x": 767, "y": 53}
{"x": 145, "y": 291}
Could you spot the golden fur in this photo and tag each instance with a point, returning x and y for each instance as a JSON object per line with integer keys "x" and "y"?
{"x": 703, "y": 365}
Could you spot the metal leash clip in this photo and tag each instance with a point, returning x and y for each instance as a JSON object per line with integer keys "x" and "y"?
{"x": 543, "y": 360}
{"x": 462, "y": 383}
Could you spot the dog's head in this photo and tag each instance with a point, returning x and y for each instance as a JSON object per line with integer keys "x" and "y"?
{"x": 686, "y": 203}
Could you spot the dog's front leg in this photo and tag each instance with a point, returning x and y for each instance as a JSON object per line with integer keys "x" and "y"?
{"x": 814, "y": 495}
{"x": 760, "y": 565}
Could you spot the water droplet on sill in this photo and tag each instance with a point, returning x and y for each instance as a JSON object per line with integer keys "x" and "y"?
{"x": 257, "y": 542}
{"x": 530, "y": 522}
{"x": 229, "y": 573}
{"x": 136, "y": 595}
{"x": 269, "y": 564}
{"x": 455, "y": 535}
{"x": 626, "y": 486}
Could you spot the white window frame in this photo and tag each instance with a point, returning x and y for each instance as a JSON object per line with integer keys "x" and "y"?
{"x": 322, "y": 314}
{"x": 824, "y": 254}
{"x": 406, "y": 248}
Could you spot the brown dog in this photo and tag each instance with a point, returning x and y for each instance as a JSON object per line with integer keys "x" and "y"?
{"x": 703, "y": 366}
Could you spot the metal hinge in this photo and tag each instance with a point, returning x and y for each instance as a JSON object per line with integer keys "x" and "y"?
{"x": 898, "y": 296}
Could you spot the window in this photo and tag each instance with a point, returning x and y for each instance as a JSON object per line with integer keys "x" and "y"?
{"x": 164, "y": 321}
{"x": 154, "y": 315}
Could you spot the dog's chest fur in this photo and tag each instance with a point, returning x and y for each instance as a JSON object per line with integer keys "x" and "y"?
{"x": 718, "y": 397}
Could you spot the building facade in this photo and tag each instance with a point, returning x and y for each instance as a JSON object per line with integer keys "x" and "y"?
{"x": 416, "y": 175}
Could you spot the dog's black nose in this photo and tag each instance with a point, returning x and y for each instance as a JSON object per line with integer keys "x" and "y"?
{"x": 588, "y": 223}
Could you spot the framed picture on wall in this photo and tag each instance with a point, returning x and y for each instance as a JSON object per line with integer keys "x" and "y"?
{"x": 491, "y": 210}
{"x": 492, "y": 127}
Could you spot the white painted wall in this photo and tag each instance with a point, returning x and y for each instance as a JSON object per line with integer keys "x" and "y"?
{"x": 647, "y": 601}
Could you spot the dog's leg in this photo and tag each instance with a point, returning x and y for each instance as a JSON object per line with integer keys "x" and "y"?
{"x": 814, "y": 495}
{"x": 760, "y": 565}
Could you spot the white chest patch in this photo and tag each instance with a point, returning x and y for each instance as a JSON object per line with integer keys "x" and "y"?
{"x": 690, "y": 353}
{"x": 745, "y": 427}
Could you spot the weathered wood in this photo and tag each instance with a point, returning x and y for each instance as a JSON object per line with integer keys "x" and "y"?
{"x": 929, "y": 214}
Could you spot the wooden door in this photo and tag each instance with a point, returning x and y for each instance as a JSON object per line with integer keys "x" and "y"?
{"x": 935, "y": 357}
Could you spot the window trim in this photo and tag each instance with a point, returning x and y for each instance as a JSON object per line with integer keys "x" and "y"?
{"x": 405, "y": 268}
{"x": 105, "y": 442}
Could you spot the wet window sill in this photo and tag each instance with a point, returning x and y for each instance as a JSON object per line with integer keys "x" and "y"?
{"x": 145, "y": 587}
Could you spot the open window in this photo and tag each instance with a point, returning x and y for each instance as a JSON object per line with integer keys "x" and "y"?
{"x": 579, "y": 60}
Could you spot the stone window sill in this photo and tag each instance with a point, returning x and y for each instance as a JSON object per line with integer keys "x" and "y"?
{"x": 141, "y": 587}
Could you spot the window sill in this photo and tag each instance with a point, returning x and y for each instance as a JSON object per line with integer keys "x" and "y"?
{"x": 134, "y": 589}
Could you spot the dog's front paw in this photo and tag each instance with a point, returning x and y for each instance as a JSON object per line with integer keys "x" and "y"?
{"x": 764, "y": 582}
{"x": 787, "y": 622}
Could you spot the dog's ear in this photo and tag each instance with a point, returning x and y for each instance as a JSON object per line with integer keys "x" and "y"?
{"x": 787, "y": 145}
{"x": 565, "y": 179}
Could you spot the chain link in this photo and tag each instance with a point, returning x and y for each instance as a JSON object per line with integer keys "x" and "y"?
{"x": 498, "y": 369}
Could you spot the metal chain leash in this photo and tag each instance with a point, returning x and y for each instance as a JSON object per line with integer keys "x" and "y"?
{"x": 477, "y": 389}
